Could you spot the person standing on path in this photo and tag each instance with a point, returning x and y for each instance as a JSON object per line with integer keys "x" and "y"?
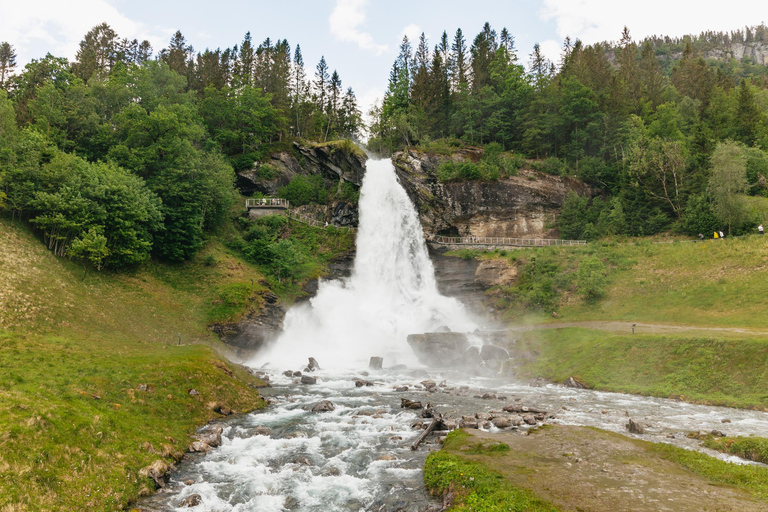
{"x": 760, "y": 229}
{"x": 722, "y": 235}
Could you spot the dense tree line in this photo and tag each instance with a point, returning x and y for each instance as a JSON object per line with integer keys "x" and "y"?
{"x": 614, "y": 115}
{"x": 119, "y": 156}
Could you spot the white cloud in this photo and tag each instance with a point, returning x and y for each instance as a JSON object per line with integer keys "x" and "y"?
{"x": 594, "y": 21}
{"x": 59, "y": 25}
{"x": 345, "y": 21}
{"x": 413, "y": 32}
{"x": 551, "y": 50}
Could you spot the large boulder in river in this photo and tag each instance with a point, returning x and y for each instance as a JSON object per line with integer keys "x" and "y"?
{"x": 324, "y": 406}
{"x": 493, "y": 353}
{"x": 439, "y": 349}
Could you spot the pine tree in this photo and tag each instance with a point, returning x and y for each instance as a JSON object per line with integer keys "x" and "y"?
{"x": 97, "y": 53}
{"x": 322, "y": 78}
{"x": 458, "y": 68}
{"x": 747, "y": 114}
{"x": 298, "y": 87}
{"x": 245, "y": 63}
{"x": 7, "y": 63}
{"x": 420, "y": 70}
{"x": 177, "y": 54}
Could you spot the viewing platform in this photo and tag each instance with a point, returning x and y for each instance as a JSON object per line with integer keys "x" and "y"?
{"x": 479, "y": 241}
{"x": 267, "y": 202}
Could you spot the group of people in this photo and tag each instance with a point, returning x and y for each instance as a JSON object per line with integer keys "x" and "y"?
{"x": 720, "y": 234}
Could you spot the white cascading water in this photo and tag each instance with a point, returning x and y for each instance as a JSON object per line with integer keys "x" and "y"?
{"x": 391, "y": 293}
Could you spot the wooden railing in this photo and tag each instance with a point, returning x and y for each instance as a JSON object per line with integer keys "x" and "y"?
{"x": 499, "y": 241}
{"x": 267, "y": 202}
{"x": 306, "y": 219}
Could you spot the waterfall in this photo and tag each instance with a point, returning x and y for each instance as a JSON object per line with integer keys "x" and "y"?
{"x": 391, "y": 293}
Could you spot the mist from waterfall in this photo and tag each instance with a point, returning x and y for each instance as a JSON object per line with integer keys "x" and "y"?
{"x": 391, "y": 293}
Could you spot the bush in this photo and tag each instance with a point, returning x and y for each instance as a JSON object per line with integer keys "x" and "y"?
{"x": 590, "y": 278}
{"x": 267, "y": 172}
{"x": 348, "y": 192}
{"x": 304, "y": 190}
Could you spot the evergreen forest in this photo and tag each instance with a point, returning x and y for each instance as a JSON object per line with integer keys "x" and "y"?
{"x": 671, "y": 137}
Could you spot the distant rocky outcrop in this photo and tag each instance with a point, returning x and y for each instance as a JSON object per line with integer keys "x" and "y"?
{"x": 521, "y": 206}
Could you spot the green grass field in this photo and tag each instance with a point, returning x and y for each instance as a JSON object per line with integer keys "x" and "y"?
{"x": 75, "y": 428}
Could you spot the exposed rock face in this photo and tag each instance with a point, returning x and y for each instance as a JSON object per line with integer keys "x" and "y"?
{"x": 756, "y": 51}
{"x": 256, "y": 329}
{"x": 334, "y": 163}
{"x": 521, "y": 206}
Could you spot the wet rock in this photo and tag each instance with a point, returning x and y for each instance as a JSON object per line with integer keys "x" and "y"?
{"x": 198, "y": 447}
{"x": 219, "y": 408}
{"x": 717, "y": 433}
{"x": 288, "y": 373}
{"x": 482, "y": 416}
{"x": 428, "y": 384}
{"x": 297, "y": 374}
{"x": 540, "y": 416}
{"x": 189, "y": 482}
{"x": 157, "y": 471}
{"x": 193, "y": 392}
{"x": 387, "y": 457}
{"x": 523, "y": 408}
{"x": 363, "y": 383}
{"x": 635, "y": 428}
{"x": 486, "y": 425}
{"x": 313, "y": 364}
{"x": 501, "y": 422}
{"x": 725, "y": 420}
{"x": 190, "y": 501}
{"x": 262, "y": 431}
{"x": 409, "y": 404}
{"x": 468, "y": 422}
{"x": 400, "y": 389}
{"x": 376, "y": 363}
{"x": 291, "y": 503}
{"x": 323, "y": 406}
{"x": 304, "y": 461}
{"x": 493, "y": 353}
{"x": 306, "y": 379}
{"x": 488, "y": 396}
{"x": 471, "y": 357}
{"x": 439, "y": 349}
{"x": 212, "y": 438}
{"x": 529, "y": 419}
{"x": 574, "y": 383}
{"x": 448, "y": 424}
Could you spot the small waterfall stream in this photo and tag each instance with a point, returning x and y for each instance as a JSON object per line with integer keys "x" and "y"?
{"x": 357, "y": 458}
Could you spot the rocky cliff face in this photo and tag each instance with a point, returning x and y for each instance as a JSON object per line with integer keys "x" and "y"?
{"x": 521, "y": 206}
{"x": 329, "y": 161}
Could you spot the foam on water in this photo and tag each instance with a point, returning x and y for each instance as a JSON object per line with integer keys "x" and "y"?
{"x": 392, "y": 291}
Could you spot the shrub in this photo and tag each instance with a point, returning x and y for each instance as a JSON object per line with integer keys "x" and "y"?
{"x": 348, "y": 192}
{"x": 267, "y": 172}
{"x": 590, "y": 278}
{"x": 304, "y": 190}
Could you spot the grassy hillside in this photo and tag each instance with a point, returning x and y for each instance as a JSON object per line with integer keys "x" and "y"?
{"x": 76, "y": 421}
{"x": 719, "y": 283}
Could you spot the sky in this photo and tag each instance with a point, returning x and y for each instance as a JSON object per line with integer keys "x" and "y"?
{"x": 360, "y": 38}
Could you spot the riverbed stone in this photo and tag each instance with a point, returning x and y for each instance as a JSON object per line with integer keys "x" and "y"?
{"x": 468, "y": 422}
{"x": 363, "y": 383}
{"x": 501, "y": 422}
{"x": 323, "y": 406}
{"x": 313, "y": 364}
{"x": 261, "y": 430}
{"x": 635, "y": 428}
{"x": 409, "y": 404}
{"x": 376, "y": 363}
{"x": 529, "y": 419}
{"x": 306, "y": 379}
{"x": 157, "y": 471}
{"x": 190, "y": 501}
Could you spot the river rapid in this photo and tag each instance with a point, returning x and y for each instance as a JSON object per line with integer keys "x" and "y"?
{"x": 357, "y": 457}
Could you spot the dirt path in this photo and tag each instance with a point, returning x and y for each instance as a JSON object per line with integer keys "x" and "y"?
{"x": 640, "y": 328}
{"x": 582, "y": 469}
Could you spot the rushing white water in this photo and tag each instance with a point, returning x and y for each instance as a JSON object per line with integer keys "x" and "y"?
{"x": 392, "y": 291}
